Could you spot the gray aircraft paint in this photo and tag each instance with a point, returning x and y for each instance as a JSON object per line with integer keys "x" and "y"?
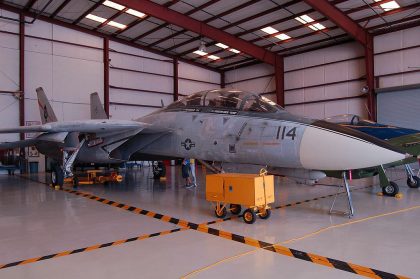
{"x": 218, "y": 134}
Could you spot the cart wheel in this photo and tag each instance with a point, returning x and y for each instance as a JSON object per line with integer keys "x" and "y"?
{"x": 265, "y": 214}
{"x": 235, "y": 209}
{"x": 221, "y": 214}
{"x": 249, "y": 216}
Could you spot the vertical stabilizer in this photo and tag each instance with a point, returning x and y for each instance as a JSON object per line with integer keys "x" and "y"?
{"x": 45, "y": 109}
{"x": 96, "y": 109}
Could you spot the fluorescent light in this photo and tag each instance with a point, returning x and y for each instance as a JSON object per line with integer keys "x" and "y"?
{"x": 199, "y": 52}
{"x": 269, "y": 30}
{"x": 316, "y": 26}
{"x": 135, "y": 13}
{"x": 282, "y": 36}
{"x": 221, "y": 45}
{"x": 116, "y": 24}
{"x": 390, "y": 6}
{"x": 234, "y": 50}
{"x": 304, "y": 19}
{"x": 96, "y": 18}
{"x": 114, "y": 5}
{"x": 213, "y": 57}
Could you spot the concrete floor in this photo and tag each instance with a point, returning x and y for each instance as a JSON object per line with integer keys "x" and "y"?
{"x": 36, "y": 221}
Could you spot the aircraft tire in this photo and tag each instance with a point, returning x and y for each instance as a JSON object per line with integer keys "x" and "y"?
{"x": 75, "y": 181}
{"x": 414, "y": 184}
{"x": 391, "y": 190}
{"x": 57, "y": 176}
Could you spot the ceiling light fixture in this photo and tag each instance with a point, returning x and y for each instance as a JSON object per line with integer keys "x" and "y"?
{"x": 199, "y": 52}
{"x": 96, "y": 18}
{"x": 114, "y": 5}
{"x": 221, "y": 45}
{"x": 283, "y": 36}
{"x": 234, "y": 50}
{"x": 269, "y": 30}
{"x": 213, "y": 57}
{"x": 135, "y": 13}
{"x": 117, "y": 25}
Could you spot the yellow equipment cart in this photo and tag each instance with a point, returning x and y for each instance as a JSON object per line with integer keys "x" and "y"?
{"x": 253, "y": 191}
{"x": 94, "y": 176}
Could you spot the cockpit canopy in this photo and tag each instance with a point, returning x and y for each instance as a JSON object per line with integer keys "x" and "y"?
{"x": 349, "y": 119}
{"x": 226, "y": 99}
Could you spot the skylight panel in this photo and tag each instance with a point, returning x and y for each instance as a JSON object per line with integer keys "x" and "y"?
{"x": 234, "y": 50}
{"x": 114, "y": 5}
{"x": 269, "y": 30}
{"x": 316, "y": 26}
{"x": 96, "y": 18}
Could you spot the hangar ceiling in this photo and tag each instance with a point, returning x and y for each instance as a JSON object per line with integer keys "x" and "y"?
{"x": 283, "y": 27}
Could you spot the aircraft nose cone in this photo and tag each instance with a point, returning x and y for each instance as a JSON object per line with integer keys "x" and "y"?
{"x": 328, "y": 146}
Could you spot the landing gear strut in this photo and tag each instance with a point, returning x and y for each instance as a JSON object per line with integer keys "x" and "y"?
{"x": 59, "y": 172}
{"x": 389, "y": 188}
{"x": 350, "y": 213}
{"x": 413, "y": 181}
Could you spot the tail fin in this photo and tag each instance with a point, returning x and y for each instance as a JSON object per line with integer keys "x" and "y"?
{"x": 47, "y": 113}
{"x": 96, "y": 109}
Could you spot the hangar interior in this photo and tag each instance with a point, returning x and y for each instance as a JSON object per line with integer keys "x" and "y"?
{"x": 317, "y": 59}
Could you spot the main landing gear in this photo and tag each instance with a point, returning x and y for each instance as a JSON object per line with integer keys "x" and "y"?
{"x": 64, "y": 170}
{"x": 389, "y": 188}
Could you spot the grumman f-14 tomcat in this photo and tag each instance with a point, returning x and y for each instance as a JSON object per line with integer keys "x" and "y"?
{"x": 224, "y": 125}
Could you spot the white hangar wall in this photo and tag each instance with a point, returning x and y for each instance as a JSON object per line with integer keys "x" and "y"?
{"x": 140, "y": 81}
{"x": 397, "y": 58}
{"x": 313, "y": 79}
{"x": 68, "y": 64}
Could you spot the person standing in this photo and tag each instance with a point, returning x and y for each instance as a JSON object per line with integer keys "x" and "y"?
{"x": 192, "y": 168}
{"x": 185, "y": 168}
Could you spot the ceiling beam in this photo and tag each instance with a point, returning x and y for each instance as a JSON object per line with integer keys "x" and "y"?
{"x": 340, "y": 19}
{"x": 99, "y": 34}
{"x": 181, "y": 20}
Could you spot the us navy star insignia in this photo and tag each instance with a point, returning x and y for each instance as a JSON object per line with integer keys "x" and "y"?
{"x": 188, "y": 144}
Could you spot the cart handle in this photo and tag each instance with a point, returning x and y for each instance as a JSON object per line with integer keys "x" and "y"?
{"x": 263, "y": 172}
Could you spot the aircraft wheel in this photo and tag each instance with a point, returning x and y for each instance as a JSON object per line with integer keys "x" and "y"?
{"x": 235, "y": 209}
{"x": 221, "y": 214}
{"x": 415, "y": 183}
{"x": 265, "y": 214}
{"x": 391, "y": 190}
{"x": 249, "y": 216}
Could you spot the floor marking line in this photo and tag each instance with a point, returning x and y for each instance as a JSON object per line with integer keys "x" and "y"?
{"x": 90, "y": 248}
{"x": 333, "y": 263}
{"x": 337, "y": 264}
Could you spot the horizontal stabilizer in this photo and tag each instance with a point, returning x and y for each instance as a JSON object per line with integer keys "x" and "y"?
{"x": 17, "y": 144}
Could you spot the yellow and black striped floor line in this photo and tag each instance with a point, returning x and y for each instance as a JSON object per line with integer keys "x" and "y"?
{"x": 317, "y": 259}
{"x": 287, "y": 205}
{"x": 89, "y": 248}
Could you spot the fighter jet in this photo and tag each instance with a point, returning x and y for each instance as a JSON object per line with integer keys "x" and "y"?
{"x": 224, "y": 125}
{"x": 405, "y": 139}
